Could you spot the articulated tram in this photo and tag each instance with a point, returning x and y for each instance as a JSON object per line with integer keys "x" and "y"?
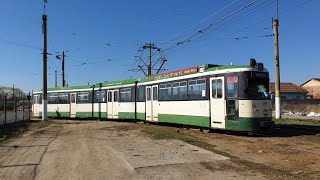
{"x": 209, "y": 96}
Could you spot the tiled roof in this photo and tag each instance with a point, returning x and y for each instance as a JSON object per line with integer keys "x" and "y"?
{"x": 317, "y": 79}
{"x": 288, "y": 88}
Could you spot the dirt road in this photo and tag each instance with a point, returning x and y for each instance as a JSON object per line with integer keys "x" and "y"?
{"x": 111, "y": 150}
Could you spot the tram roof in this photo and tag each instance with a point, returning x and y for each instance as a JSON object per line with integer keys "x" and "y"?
{"x": 188, "y": 71}
{"x": 172, "y": 74}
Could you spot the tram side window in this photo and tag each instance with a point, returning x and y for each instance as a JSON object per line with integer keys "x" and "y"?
{"x": 109, "y": 96}
{"x": 63, "y": 98}
{"x": 179, "y": 90}
{"x": 53, "y": 98}
{"x": 197, "y": 89}
{"x": 100, "y": 96}
{"x": 165, "y": 91}
{"x": 232, "y": 86}
{"x": 83, "y": 97}
{"x": 217, "y": 88}
{"x": 141, "y": 94}
{"x": 125, "y": 95}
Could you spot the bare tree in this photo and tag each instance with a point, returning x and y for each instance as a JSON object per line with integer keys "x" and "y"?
{"x": 8, "y": 91}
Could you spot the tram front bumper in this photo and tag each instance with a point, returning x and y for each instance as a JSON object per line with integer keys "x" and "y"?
{"x": 266, "y": 124}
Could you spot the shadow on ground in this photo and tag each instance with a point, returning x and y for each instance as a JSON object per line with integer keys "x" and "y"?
{"x": 281, "y": 130}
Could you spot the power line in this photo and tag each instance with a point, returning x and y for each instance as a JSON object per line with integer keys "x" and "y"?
{"x": 196, "y": 24}
{"x": 216, "y": 22}
{"x": 15, "y": 43}
{"x": 190, "y": 41}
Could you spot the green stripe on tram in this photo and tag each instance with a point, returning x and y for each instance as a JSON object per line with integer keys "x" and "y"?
{"x": 99, "y": 114}
{"x": 58, "y": 114}
{"x": 225, "y": 67}
{"x": 141, "y": 116}
{"x": 116, "y": 83}
{"x": 69, "y": 88}
{"x": 83, "y": 114}
{"x": 247, "y": 124}
{"x": 131, "y": 115}
{"x": 183, "y": 119}
{"x": 89, "y": 114}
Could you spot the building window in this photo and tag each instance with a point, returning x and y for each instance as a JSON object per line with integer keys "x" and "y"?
{"x": 165, "y": 92}
{"x": 197, "y": 89}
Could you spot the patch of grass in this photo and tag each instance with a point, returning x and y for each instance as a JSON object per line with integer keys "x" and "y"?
{"x": 12, "y": 130}
{"x": 303, "y": 122}
{"x": 264, "y": 169}
{"x": 171, "y": 133}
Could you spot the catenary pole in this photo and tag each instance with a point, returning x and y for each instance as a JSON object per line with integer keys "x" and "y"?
{"x": 150, "y": 60}
{"x": 55, "y": 78}
{"x": 44, "y": 58}
{"x": 275, "y": 25}
{"x": 63, "y": 80}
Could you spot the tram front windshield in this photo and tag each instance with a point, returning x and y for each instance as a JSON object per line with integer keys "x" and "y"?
{"x": 257, "y": 88}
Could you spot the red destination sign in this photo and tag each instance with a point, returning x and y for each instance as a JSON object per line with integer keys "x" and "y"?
{"x": 232, "y": 79}
{"x": 181, "y": 72}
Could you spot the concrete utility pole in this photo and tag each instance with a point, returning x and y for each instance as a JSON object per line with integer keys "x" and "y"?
{"x": 275, "y": 25}
{"x": 44, "y": 58}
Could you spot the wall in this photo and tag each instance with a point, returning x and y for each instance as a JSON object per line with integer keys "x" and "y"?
{"x": 293, "y": 95}
{"x": 11, "y": 117}
{"x": 313, "y": 88}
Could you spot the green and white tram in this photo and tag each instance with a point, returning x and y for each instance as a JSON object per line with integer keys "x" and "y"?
{"x": 209, "y": 96}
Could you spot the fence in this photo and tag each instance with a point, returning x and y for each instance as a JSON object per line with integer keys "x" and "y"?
{"x": 306, "y": 105}
{"x": 14, "y": 110}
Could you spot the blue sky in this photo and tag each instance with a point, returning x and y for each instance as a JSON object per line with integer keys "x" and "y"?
{"x": 102, "y": 37}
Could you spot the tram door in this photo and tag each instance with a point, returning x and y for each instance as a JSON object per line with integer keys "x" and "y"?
{"x": 113, "y": 105}
{"x": 36, "y": 105}
{"x": 73, "y": 105}
{"x": 152, "y": 104}
{"x": 217, "y": 102}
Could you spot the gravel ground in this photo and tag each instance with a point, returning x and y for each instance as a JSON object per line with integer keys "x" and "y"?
{"x": 98, "y": 150}
{"x": 317, "y": 118}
